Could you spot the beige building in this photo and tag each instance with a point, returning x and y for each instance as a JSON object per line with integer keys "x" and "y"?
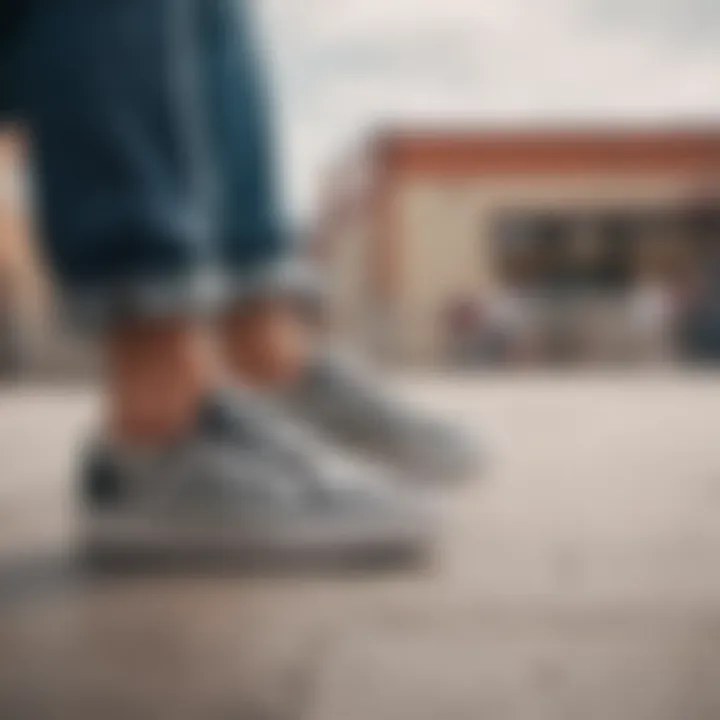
{"x": 424, "y": 220}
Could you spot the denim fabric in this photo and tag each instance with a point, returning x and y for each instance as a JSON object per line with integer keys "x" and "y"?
{"x": 241, "y": 136}
{"x": 13, "y": 23}
{"x": 152, "y": 150}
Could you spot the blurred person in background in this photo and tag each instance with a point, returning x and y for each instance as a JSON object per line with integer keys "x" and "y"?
{"x": 510, "y": 326}
{"x": 463, "y": 323}
{"x": 150, "y": 142}
{"x": 653, "y": 317}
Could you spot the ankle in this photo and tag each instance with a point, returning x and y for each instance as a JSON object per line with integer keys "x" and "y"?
{"x": 157, "y": 373}
{"x": 265, "y": 344}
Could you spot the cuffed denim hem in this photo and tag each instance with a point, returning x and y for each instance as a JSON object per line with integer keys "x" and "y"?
{"x": 292, "y": 279}
{"x": 94, "y": 309}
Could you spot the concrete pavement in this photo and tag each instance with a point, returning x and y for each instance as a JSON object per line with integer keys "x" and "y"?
{"x": 579, "y": 579}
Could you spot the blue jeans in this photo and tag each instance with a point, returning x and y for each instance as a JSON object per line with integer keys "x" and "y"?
{"x": 151, "y": 145}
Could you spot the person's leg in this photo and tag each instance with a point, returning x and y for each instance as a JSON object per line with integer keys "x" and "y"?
{"x": 264, "y": 341}
{"x": 124, "y": 191}
{"x": 157, "y": 374}
{"x": 124, "y": 184}
{"x": 253, "y": 240}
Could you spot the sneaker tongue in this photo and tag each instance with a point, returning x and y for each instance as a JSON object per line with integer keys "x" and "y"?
{"x": 216, "y": 414}
{"x": 239, "y": 416}
{"x": 236, "y": 413}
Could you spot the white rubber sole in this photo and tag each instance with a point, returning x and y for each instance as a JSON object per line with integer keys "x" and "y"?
{"x": 123, "y": 536}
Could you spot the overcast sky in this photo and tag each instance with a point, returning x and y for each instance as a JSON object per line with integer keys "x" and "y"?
{"x": 344, "y": 66}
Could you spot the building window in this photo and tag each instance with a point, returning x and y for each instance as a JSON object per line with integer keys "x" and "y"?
{"x": 547, "y": 252}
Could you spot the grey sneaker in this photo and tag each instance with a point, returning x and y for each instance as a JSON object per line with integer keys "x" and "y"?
{"x": 246, "y": 482}
{"x": 342, "y": 400}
